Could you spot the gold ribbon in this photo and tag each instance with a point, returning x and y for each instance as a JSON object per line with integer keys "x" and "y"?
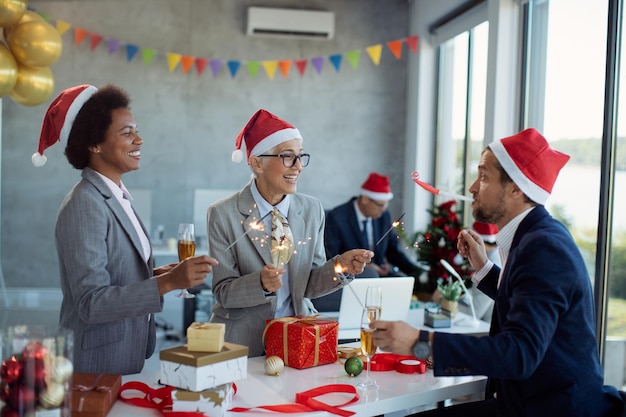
{"x": 286, "y": 321}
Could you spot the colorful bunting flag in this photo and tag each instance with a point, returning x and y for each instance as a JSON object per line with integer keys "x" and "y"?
{"x": 353, "y": 58}
{"x": 270, "y": 68}
{"x": 336, "y": 61}
{"x": 253, "y": 68}
{"x": 95, "y": 40}
{"x": 284, "y": 66}
{"x": 173, "y": 60}
{"x": 411, "y": 41}
{"x": 79, "y": 35}
{"x": 301, "y": 65}
{"x": 147, "y": 54}
{"x": 113, "y": 45}
{"x": 62, "y": 26}
{"x": 396, "y": 48}
{"x": 318, "y": 63}
{"x": 131, "y": 50}
{"x": 187, "y": 62}
{"x": 374, "y": 52}
{"x": 233, "y": 67}
{"x": 216, "y": 65}
{"x": 201, "y": 64}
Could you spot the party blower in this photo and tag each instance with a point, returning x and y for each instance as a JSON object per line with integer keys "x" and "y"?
{"x": 451, "y": 270}
{"x": 415, "y": 176}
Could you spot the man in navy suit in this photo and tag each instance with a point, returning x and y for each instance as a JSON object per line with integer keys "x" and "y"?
{"x": 361, "y": 223}
{"x": 541, "y": 356}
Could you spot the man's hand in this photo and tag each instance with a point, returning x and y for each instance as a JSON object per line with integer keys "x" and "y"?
{"x": 395, "y": 336}
{"x": 470, "y": 245}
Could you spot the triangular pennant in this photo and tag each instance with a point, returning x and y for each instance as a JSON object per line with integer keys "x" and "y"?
{"x": 318, "y": 63}
{"x": 187, "y": 62}
{"x": 95, "y": 40}
{"x": 131, "y": 50}
{"x": 173, "y": 60}
{"x": 336, "y": 61}
{"x": 411, "y": 41}
{"x": 353, "y": 58}
{"x": 233, "y": 67}
{"x": 301, "y": 65}
{"x": 79, "y": 35}
{"x": 62, "y": 26}
{"x": 253, "y": 68}
{"x": 216, "y": 66}
{"x": 45, "y": 16}
{"x": 284, "y": 66}
{"x": 270, "y": 68}
{"x": 374, "y": 52}
{"x": 147, "y": 54}
{"x": 396, "y": 48}
{"x": 201, "y": 65}
{"x": 114, "y": 45}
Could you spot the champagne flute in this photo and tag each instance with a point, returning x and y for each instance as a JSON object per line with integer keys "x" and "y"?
{"x": 186, "y": 249}
{"x": 371, "y": 312}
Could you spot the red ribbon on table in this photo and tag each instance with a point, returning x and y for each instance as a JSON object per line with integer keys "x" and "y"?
{"x": 159, "y": 399}
{"x": 306, "y": 402}
{"x": 390, "y": 361}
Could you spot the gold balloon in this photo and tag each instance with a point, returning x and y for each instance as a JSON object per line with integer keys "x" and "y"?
{"x": 11, "y": 11}
{"x": 35, "y": 43}
{"x": 8, "y": 70}
{"x": 28, "y": 16}
{"x": 33, "y": 86}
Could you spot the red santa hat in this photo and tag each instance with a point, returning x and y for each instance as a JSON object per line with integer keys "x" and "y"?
{"x": 487, "y": 231}
{"x": 59, "y": 118}
{"x": 262, "y": 132}
{"x": 530, "y": 162}
{"x": 377, "y": 187}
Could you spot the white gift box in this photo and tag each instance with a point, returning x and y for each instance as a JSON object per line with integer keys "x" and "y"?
{"x": 213, "y": 402}
{"x": 199, "y": 371}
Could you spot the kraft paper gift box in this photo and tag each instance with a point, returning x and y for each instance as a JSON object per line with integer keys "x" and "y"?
{"x": 93, "y": 395}
{"x": 214, "y": 402}
{"x": 205, "y": 337}
{"x": 302, "y": 342}
{"x": 199, "y": 371}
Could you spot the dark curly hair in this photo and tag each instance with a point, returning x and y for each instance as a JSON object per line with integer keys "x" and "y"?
{"x": 92, "y": 122}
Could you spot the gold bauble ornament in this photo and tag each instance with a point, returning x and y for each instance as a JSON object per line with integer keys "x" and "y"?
{"x": 274, "y": 365}
{"x": 11, "y": 11}
{"x": 34, "y": 85}
{"x": 28, "y": 16}
{"x": 52, "y": 396}
{"x": 62, "y": 369}
{"x": 35, "y": 43}
{"x": 8, "y": 70}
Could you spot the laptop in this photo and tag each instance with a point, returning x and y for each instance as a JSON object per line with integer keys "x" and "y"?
{"x": 397, "y": 292}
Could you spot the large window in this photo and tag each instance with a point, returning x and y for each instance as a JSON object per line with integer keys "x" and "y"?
{"x": 461, "y": 108}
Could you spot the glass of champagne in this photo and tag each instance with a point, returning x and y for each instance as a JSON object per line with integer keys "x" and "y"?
{"x": 371, "y": 312}
{"x": 186, "y": 249}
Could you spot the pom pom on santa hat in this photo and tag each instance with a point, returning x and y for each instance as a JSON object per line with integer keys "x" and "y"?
{"x": 487, "y": 231}
{"x": 59, "y": 117}
{"x": 262, "y": 132}
{"x": 377, "y": 187}
{"x": 530, "y": 162}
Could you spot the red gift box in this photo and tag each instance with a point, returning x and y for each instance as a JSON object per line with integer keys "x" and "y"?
{"x": 93, "y": 395}
{"x": 302, "y": 341}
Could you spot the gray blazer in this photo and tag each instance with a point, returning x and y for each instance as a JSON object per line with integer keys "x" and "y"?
{"x": 241, "y": 302}
{"x": 108, "y": 293}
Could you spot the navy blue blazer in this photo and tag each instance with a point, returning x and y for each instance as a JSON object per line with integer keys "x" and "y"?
{"x": 541, "y": 356}
{"x": 343, "y": 233}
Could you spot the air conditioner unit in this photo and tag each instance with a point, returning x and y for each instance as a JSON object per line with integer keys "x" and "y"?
{"x": 290, "y": 23}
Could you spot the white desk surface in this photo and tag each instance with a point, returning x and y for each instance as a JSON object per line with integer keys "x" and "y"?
{"x": 397, "y": 391}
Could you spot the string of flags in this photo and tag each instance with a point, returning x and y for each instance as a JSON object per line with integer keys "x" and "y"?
{"x": 216, "y": 65}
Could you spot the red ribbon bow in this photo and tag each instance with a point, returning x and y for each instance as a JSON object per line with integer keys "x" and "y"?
{"x": 306, "y": 401}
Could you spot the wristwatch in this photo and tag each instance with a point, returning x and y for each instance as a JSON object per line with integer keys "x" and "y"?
{"x": 421, "y": 349}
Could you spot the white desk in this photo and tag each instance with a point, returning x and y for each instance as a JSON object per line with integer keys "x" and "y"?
{"x": 397, "y": 391}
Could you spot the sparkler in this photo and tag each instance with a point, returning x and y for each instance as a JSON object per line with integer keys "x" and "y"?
{"x": 393, "y": 225}
{"x": 257, "y": 225}
{"x": 415, "y": 177}
{"x": 344, "y": 278}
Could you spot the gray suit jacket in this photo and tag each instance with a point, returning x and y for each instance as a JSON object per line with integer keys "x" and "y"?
{"x": 241, "y": 302}
{"x": 108, "y": 293}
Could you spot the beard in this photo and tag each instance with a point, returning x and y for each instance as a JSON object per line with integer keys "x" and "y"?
{"x": 491, "y": 214}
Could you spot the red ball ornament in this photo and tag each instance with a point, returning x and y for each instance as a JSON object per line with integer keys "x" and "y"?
{"x": 11, "y": 370}
{"x": 22, "y": 398}
{"x": 34, "y": 350}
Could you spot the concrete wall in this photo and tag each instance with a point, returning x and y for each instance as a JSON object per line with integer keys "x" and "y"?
{"x": 353, "y": 121}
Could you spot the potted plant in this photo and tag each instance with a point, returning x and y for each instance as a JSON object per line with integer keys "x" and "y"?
{"x": 451, "y": 291}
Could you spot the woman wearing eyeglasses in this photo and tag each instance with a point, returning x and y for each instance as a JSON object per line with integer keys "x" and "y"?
{"x": 269, "y": 240}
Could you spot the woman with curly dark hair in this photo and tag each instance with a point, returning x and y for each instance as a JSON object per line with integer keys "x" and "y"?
{"x": 111, "y": 289}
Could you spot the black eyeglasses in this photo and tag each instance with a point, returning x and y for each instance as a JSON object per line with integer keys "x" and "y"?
{"x": 289, "y": 159}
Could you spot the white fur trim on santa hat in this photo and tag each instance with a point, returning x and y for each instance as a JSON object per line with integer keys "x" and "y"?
{"x": 274, "y": 139}
{"x": 377, "y": 196}
{"x": 532, "y": 190}
{"x": 73, "y": 110}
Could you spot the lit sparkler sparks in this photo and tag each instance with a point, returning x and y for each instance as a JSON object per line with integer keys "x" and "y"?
{"x": 393, "y": 226}
{"x": 257, "y": 225}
